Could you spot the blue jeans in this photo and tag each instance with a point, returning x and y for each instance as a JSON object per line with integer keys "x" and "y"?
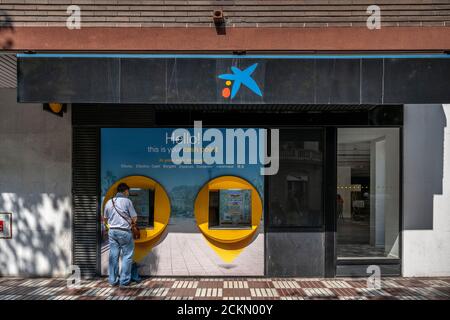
{"x": 120, "y": 241}
{"x": 135, "y": 273}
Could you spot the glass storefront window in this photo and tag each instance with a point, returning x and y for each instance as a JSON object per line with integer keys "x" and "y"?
{"x": 295, "y": 192}
{"x": 368, "y": 201}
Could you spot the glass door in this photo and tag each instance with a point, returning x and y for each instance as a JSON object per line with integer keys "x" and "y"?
{"x": 368, "y": 189}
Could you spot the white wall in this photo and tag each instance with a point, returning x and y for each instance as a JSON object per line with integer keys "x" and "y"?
{"x": 426, "y": 185}
{"x": 391, "y": 194}
{"x": 35, "y": 185}
{"x": 373, "y": 213}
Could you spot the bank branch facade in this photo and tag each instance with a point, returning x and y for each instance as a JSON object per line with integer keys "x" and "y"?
{"x": 250, "y": 165}
{"x": 259, "y": 138}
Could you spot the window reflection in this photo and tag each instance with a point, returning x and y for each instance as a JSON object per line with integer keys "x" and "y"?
{"x": 296, "y": 190}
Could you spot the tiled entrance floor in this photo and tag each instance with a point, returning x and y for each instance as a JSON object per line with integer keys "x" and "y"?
{"x": 228, "y": 288}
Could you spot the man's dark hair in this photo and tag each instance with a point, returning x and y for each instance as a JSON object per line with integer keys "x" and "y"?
{"x": 122, "y": 187}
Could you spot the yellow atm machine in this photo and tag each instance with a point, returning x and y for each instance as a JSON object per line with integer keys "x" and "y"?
{"x": 228, "y": 211}
{"x": 152, "y": 207}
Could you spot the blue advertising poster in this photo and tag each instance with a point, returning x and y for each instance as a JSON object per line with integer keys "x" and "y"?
{"x": 147, "y": 152}
{"x": 182, "y": 250}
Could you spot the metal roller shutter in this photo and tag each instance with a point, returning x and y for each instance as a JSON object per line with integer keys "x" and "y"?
{"x": 85, "y": 163}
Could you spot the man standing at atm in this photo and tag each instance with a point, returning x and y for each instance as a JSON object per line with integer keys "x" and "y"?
{"x": 120, "y": 214}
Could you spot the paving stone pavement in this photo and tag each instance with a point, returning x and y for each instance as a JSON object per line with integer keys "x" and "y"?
{"x": 227, "y": 289}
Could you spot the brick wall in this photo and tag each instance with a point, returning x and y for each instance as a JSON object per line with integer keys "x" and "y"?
{"x": 238, "y": 13}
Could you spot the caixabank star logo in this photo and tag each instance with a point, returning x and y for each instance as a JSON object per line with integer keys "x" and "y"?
{"x": 237, "y": 78}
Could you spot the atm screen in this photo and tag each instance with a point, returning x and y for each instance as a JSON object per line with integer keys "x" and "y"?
{"x": 230, "y": 208}
{"x": 143, "y": 202}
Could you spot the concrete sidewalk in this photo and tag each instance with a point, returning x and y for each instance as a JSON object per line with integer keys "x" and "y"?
{"x": 227, "y": 289}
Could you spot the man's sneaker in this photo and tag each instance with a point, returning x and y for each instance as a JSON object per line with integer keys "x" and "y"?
{"x": 125, "y": 286}
{"x": 136, "y": 280}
